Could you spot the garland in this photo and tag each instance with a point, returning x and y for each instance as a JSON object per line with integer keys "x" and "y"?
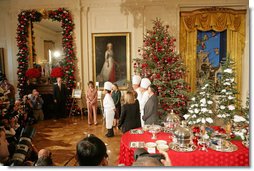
{"x": 62, "y": 15}
{"x": 24, "y": 18}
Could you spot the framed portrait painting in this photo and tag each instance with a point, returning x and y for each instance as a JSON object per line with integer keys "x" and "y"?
{"x": 111, "y": 58}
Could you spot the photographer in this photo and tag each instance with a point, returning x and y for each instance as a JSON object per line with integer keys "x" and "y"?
{"x": 4, "y": 152}
{"x": 25, "y": 152}
{"x": 28, "y": 108}
{"x": 37, "y": 103}
{"x": 9, "y": 89}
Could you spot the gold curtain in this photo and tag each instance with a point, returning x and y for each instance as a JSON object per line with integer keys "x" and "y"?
{"x": 218, "y": 19}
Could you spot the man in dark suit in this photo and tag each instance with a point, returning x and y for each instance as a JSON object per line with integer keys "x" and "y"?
{"x": 151, "y": 107}
{"x": 60, "y": 95}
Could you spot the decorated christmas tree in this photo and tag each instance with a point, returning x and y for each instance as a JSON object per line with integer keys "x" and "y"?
{"x": 201, "y": 107}
{"x": 164, "y": 67}
{"x": 241, "y": 122}
{"x": 227, "y": 101}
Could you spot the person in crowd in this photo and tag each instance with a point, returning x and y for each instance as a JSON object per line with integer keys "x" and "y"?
{"x": 44, "y": 158}
{"x": 4, "y": 152}
{"x": 37, "y": 103}
{"x": 145, "y": 83}
{"x": 150, "y": 161}
{"x": 92, "y": 103}
{"x": 91, "y": 151}
{"x": 44, "y": 152}
{"x": 29, "y": 87}
{"x": 147, "y": 161}
{"x": 116, "y": 95}
{"x": 136, "y": 79}
{"x": 60, "y": 94}
{"x": 28, "y": 108}
{"x": 44, "y": 161}
{"x": 8, "y": 90}
{"x": 130, "y": 116}
{"x": 151, "y": 107}
{"x": 16, "y": 109}
{"x": 109, "y": 108}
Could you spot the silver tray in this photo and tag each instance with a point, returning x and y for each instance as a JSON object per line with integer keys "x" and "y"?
{"x": 226, "y": 146}
{"x": 136, "y": 131}
{"x": 137, "y": 144}
{"x": 178, "y": 148}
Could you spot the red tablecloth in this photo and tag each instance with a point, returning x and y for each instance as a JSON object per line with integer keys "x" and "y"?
{"x": 195, "y": 158}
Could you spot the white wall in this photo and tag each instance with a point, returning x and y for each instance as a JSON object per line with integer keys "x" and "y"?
{"x": 103, "y": 16}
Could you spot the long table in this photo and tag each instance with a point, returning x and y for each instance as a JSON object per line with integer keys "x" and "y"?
{"x": 195, "y": 158}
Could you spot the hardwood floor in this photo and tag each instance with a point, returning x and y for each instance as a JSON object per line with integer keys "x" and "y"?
{"x": 61, "y": 136}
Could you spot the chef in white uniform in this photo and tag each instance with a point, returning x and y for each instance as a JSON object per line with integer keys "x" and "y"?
{"x": 145, "y": 83}
{"x": 136, "y": 79}
{"x": 109, "y": 108}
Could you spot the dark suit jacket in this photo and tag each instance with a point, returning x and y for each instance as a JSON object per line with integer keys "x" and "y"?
{"x": 151, "y": 111}
{"x": 130, "y": 117}
{"x": 60, "y": 95}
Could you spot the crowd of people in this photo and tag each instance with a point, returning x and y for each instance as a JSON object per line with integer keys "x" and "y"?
{"x": 17, "y": 115}
{"x": 138, "y": 107}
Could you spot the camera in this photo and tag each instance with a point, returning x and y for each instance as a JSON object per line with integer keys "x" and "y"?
{"x": 23, "y": 147}
{"x": 141, "y": 152}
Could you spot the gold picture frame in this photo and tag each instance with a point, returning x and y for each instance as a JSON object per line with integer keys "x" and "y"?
{"x": 111, "y": 58}
{"x": 2, "y": 66}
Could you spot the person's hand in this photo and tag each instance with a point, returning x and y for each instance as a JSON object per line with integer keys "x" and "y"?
{"x": 143, "y": 118}
{"x": 167, "y": 161}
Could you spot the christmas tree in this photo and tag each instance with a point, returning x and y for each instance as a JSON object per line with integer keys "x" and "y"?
{"x": 241, "y": 122}
{"x": 227, "y": 101}
{"x": 201, "y": 107}
{"x": 164, "y": 67}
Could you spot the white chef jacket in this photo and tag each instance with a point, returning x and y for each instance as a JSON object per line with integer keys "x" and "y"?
{"x": 109, "y": 112}
{"x": 139, "y": 97}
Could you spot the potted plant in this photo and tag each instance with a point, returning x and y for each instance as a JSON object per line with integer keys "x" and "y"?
{"x": 33, "y": 74}
{"x": 57, "y": 72}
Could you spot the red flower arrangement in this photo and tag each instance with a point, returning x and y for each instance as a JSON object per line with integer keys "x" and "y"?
{"x": 33, "y": 73}
{"x": 57, "y": 72}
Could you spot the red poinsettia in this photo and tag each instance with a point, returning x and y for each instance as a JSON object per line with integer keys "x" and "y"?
{"x": 57, "y": 72}
{"x": 33, "y": 73}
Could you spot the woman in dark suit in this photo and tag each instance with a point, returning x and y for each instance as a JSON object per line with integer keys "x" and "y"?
{"x": 151, "y": 107}
{"x": 130, "y": 114}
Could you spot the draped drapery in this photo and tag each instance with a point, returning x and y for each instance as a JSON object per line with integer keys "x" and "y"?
{"x": 218, "y": 19}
